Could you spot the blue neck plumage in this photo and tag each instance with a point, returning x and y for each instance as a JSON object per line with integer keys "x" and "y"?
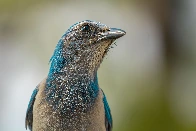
{"x": 57, "y": 60}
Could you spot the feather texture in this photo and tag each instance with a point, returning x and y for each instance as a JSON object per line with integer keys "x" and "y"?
{"x": 69, "y": 99}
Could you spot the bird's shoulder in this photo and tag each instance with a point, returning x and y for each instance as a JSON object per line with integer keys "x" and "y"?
{"x": 29, "y": 113}
{"x": 108, "y": 116}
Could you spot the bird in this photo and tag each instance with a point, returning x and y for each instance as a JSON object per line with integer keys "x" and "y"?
{"x": 69, "y": 98}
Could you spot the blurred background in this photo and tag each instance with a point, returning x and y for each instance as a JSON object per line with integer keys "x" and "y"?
{"x": 149, "y": 77}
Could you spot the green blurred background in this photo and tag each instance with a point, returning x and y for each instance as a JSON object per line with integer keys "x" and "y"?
{"x": 149, "y": 77}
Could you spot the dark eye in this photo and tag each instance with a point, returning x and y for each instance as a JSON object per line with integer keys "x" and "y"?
{"x": 85, "y": 28}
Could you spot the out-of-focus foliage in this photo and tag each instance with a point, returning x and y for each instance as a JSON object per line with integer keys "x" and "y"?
{"x": 16, "y": 5}
{"x": 148, "y": 78}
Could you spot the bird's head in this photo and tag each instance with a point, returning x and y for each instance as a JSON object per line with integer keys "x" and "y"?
{"x": 85, "y": 43}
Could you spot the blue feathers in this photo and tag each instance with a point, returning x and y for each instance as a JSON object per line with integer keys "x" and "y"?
{"x": 95, "y": 87}
{"x": 32, "y": 99}
{"x": 107, "y": 110}
{"x": 57, "y": 60}
{"x": 29, "y": 113}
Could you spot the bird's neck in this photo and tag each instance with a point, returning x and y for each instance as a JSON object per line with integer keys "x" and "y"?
{"x": 71, "y": 85}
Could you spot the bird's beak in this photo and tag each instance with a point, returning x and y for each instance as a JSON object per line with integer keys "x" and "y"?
{"x": 114, "y": 33}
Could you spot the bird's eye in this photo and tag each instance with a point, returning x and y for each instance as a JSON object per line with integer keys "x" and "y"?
{"x": 85, "y": 28}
